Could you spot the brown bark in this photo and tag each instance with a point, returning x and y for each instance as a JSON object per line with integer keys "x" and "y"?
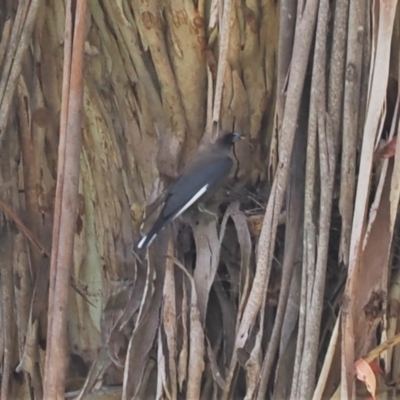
{"x": 209, "y": 312}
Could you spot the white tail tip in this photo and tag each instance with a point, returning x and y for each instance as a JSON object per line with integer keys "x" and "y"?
{"x": 144, "y": 238}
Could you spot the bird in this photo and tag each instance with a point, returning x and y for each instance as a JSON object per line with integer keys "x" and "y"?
{"x": 198, "y": 181}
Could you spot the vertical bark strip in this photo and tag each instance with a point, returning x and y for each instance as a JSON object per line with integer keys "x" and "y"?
{"x": 67, "y": 203}
{"x": 352, "y": 90}
{"x": 19, "y": 42}
{"x": 376, "y": 108}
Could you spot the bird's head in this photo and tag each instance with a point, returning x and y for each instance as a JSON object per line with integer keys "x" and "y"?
{"x": 229, "y": 139}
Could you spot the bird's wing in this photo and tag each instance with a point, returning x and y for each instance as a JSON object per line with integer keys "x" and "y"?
{"x": 189, "y": 185}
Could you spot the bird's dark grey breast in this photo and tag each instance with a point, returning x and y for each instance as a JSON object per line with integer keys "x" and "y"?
{"x": 211, "y": 171}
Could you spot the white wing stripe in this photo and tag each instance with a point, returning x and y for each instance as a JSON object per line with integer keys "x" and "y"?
{"x": 183, "y": 209}
{"x": 152, "y": 239}
{"x": 142, "y": 241}
{"x": 192, "y": 200}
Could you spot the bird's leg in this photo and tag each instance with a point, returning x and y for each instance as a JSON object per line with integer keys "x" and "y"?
{"x": 203, "y": 209}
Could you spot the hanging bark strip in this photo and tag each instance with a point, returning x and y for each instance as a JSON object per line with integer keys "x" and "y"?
{"x": 66, "y": 201}
{"x": 376, "y": 111}
{"x": 16, "y": 50}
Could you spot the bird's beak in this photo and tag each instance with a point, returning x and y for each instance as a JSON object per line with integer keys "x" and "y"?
{"x": 237, "y": 136}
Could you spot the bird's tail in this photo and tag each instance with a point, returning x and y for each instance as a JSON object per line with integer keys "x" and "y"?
{"x": 148, "y": 239}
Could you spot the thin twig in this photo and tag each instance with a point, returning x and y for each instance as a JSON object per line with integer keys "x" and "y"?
{"x": 21, "y": 226}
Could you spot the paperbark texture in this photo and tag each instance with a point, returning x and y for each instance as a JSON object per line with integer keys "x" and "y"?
{"x": 101, "y": 105}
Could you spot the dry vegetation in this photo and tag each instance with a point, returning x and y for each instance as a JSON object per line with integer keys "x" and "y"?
{"x": 293, "y": 292}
